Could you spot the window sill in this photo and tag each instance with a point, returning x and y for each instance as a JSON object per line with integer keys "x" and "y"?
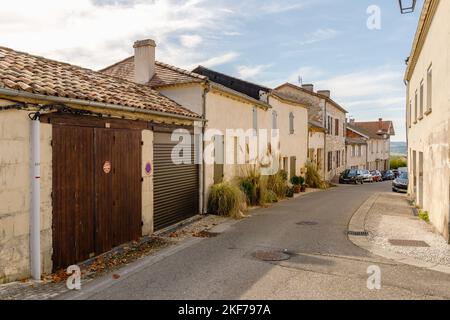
{"x": 428, "y": 112}
{"x": 420, "y": 118}
{"x": 415, "y": 122}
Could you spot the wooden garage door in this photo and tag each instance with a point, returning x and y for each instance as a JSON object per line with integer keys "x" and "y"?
{"x": 73, "y": 195}
{"x": 96, "y": 191}
{"x": 176, "y": 187}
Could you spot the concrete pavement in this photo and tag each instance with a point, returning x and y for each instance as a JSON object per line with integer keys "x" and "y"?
{"x": 324, "y": 264}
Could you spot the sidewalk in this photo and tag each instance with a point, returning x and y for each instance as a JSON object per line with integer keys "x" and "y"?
{"x": 395, "y": 233}
{"x": 49, "y": 289}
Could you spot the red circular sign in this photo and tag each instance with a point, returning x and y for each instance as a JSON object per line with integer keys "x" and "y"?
{"x": 107, "y": 167}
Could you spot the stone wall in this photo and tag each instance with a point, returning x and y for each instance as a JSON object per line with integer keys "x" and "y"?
{"x": 15, "y": 195}
{"x": 147, "y": 186}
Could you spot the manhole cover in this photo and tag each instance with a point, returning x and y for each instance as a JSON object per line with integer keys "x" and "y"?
{"x": 307, "y": 223}
{"x": 271, "y": 256}
{"x": 205, "y": 234}
{"x": 358, "y": 233}
{"x": 409, "y": 243}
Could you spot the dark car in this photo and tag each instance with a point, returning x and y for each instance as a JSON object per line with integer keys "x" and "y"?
{"x": 401, "y": 183}
{"x": 388, "y": 175}
{"x": 351, "y": 176}
{"x": 396, "y": 173}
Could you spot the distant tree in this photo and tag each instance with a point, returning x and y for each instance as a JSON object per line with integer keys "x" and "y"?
{"x": 398, "y": 162}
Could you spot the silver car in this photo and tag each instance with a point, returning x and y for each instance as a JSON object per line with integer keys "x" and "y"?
{"x": 367, "y": 176}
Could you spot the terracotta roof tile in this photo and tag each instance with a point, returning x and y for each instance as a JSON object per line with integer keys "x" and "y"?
{"x": 25, "y": 72}
{"x": 165, "y": 74}
{"x": 373, "y": 129}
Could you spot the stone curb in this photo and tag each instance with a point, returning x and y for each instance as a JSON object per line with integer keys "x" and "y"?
{"x": 358, "y": 223}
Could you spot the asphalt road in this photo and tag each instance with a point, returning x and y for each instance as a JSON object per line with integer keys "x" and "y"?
{"x": 324, "y": 264}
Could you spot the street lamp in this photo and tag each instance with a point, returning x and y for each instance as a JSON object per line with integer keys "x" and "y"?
{"x": 407, "y": 6}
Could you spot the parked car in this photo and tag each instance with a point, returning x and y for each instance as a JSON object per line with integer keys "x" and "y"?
{"x": 396, "y": 173}
{"x": 351, "y": 176}
{"x": 402, "y": 169}
{"x": 388, "y": 175}
{"x": 367, "y": 177}
{"x": 376, "y": 175}
{"x": 401, "y": 183}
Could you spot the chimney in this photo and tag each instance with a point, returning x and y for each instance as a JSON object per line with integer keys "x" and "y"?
{"x": 144, "y": 61}
{"x": 326, "y": 93}
{"x": 309, "y": 87}
{"x": 380, "y": 124}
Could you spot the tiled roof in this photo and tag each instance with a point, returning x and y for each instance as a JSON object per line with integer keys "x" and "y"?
{"x": 165, "y": 74}
{"x": 289, "y": 97}
{"x": 357, "y": 141}
{"x": 334, "y": 103}
{"x": 316, "y": 124}
{"x": 375, "y": 129}
{"x": 37, "y": 75}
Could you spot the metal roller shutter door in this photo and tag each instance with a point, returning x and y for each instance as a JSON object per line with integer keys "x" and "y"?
{"x": 176, "y": 187}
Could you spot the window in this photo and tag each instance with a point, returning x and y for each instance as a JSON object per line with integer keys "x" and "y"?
{"x": 415, "y": 108}
{"x": 353, "y": 151}
{"x": 410, "y": 118}
{"x": 359, "y": 151}
{"x": 429, "y": 90}
{"x": 421, "y": 101}
{"x": 371, "y": 146}
{"x": 344, "y": 130}
{"x": 274, "y": 122}
{"x": 255, "y": 121}
{"x": 291, "y": 123}
{"x": 338, "y": 159}
{"x": 330, "y": 161}
{"x": 330, "y": 125}
{"x": 337, "y": 127}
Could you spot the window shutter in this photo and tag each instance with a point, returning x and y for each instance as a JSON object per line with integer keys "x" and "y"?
{"x": 291, "y": 123}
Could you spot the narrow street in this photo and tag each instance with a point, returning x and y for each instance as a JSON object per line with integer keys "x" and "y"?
{"x": 323, "y": 263}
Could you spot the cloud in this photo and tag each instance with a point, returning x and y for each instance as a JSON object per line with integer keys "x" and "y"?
{"x": 100, "y": 32}
{"x": 191, "y": 41}
{"x": 277, "y": 7}
{"x": 219, "y": 60}
{"x": 319, "y": 35}
{"x": 250, "y": 72}
{"x": 372, "y": 82}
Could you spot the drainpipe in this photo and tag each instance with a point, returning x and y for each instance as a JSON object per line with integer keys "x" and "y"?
{"x": 35, "y": 223}
{"x": 203, "y": 188}
{"x": 325, "y": 156}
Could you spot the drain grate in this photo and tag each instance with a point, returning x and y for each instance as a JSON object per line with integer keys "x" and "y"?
{"x": 358, "y": 233}
{"x": 307, "y": 223}
{"x": 409, "y": 243}
{"x": 271, "y": 256}
{"x": 205, "y": 234}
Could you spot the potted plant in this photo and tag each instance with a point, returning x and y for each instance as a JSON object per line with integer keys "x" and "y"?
{"x": 297, "y": 182}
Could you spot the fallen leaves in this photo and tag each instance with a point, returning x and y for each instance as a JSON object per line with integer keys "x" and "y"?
{"x": 113, "y": 260}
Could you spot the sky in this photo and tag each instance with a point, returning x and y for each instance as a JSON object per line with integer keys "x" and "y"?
{"x": 324, "y": 42}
